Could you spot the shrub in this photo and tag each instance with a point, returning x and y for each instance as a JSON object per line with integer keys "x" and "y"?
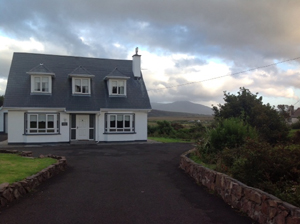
{"x": 230, "y": 133}
{"x": 250, "y": 108}
{"x": 272, "y": 169}
{"x": 164, "y": 128}
{"x": 151, "y": 129}
{"x": 296, "y": 125}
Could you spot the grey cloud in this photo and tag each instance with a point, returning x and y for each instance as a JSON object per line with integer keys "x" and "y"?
{"x": 243, "y": 34}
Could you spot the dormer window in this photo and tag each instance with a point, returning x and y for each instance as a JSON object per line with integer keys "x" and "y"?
{"x": 81, "y": 81}
{"x": 118, "y": 87}
{"x": 41, "y": 80}
{"x": 116, "y": 83}
{"x": 81, "y": 85}
{"x": 41, "y": 84}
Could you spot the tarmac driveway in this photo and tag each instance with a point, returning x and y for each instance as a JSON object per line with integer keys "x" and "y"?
{"x": 123, "y": 183}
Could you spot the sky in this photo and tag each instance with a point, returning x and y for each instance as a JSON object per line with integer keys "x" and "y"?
{"x": 190, "y": 49}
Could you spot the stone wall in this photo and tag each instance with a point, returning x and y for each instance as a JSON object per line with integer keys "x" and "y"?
{"x": 10, "y": 192}
{"x": 259, "y": 205}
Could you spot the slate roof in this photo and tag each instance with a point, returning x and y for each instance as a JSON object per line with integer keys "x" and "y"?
{"x": 18, "y": 90}
{"x": 296, "y": 113}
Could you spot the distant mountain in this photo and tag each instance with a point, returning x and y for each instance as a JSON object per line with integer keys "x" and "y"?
{"x": 160, "y": 113}
{"x": 183, "y": 107}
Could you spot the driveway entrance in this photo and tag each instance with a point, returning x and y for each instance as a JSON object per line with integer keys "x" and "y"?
{"x": 132, "y": 183}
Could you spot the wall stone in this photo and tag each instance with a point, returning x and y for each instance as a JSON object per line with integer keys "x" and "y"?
{"x": 10, "y": 192}
{"x": 257, "y": 204}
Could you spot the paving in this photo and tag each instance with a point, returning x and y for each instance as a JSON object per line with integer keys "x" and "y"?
{"x": 120, "y": 183}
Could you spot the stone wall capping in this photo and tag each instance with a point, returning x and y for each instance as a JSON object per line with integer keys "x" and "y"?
{"x": 10, "y": 192}
{"x": 257, "y": 204}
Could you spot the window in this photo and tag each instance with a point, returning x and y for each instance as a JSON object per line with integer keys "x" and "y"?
{"x": 81, "y": 85}
{"x": 119, "y": 123}
{"x": 41, "y": 84}
{"x": 42, "y": 123}
{"x": 118, "y": 87}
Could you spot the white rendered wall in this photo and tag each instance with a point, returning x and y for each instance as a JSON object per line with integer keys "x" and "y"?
{"x": 140, "y": 128}
{"x": 16, "y": 130}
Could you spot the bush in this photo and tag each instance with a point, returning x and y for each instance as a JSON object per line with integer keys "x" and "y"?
{"x": 296, "y": 125}
{"x": 272, "y": 169}
{"x": 151, "y": 129}
{"x": 164, "y": 128}
{"x": 230, "y": 133}
{"x": 250, "y": 108}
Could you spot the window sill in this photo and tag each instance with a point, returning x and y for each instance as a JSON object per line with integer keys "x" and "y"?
{"x": 117, "y": 95}
{"x": 28, "y": 134}
{"x": 118, "y": 133}
{"x": 40, "y": 93}
{"x": 81, "y": 94}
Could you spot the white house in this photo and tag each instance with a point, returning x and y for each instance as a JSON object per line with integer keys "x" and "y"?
{"x": 56, "y": 99}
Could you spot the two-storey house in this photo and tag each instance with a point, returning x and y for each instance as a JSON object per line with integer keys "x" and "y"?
{"x": 56, "y": 99}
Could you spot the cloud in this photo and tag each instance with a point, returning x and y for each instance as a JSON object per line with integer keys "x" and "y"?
{"x": 180, "y": 41}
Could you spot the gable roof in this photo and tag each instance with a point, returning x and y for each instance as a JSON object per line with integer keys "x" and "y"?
{"x": 18, "y": 90}
{"x": 40, "y": 69}
{"x": 116, "y": 74}
{"x": 81, "y": 71}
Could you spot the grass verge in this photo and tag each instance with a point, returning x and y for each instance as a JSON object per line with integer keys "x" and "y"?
{"x": 196, "y": 159}
{"x": 168, "y": 140}
{"x": 15, "y": 168}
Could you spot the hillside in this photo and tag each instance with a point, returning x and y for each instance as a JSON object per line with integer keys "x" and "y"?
{"x": 183, "y": 107}
{"x": 160, "y": 113}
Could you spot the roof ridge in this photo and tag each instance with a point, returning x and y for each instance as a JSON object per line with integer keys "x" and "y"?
{"x": 71, "y": 56}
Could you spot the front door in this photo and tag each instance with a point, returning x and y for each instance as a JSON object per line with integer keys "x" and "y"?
{"x": 82, "y": 123}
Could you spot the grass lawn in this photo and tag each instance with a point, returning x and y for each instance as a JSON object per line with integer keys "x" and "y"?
{"x": 168, "y": 140}
{"x": 15, "y": 168}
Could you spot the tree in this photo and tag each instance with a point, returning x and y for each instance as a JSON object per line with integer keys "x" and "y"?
{"x": 250, "y": 108}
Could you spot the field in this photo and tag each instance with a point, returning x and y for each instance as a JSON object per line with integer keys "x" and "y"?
{"x": 185, "y": 121}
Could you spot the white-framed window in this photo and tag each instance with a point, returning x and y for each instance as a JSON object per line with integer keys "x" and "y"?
{"x": 42, "y": 123}
{"x": 117, "y": 87}
{"x": 119, "y": 123}
{"x": 41, "y": 84}
{"x": 81, "y": 85}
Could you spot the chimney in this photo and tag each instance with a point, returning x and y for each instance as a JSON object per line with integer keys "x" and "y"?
{"x": 136, "y": 64}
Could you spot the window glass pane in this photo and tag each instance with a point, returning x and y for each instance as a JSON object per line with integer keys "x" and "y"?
{"x": 33, "y": 121}
{"x": 78, "y": 85}
{"x": 37, "y": 84}
{"x": 127, "y": 121}
{"x": 85, "y": 86}
{"x": 114, "y": 87}
{"x": 121, "y": 87}
{"x": 42, "y": 121}
{"x": 91, "y": 136}
{"x": 92, "y": 118}
{"x": 121, "y": 90}
{"x": 73, "y": 134}
{"x": 73, "y": 121}
{"x": 120, "y": 121}
{"x": 45, "y": 84}
{"x": 50, "y": 121}
{"x": 112, "y": 121}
